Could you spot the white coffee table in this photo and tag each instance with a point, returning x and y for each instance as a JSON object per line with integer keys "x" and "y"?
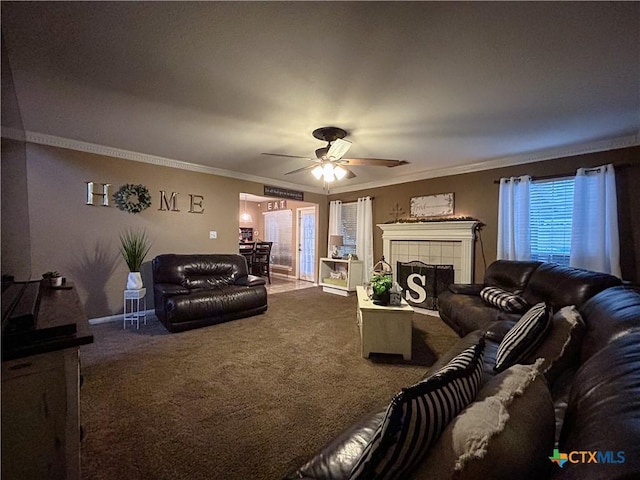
{"x": 384, "y": 329}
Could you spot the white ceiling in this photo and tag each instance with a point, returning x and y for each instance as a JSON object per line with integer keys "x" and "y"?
{"x": 446, "y": 86}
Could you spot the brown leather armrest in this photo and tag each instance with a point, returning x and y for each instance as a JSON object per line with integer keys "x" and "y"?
{"x": 251, "y": 281}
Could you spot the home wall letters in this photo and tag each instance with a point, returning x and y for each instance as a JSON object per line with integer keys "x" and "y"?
{"x": 99, "y": 196}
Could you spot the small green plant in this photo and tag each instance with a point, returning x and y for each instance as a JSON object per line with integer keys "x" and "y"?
{"x": 134, "y": 247}
{"x": 381, "y": 283}
{"x": 51, "y": 274}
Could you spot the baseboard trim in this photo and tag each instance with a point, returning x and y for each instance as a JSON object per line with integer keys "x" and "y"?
{"x": 116, "y": 318}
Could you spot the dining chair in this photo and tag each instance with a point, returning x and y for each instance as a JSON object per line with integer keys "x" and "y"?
{"x": 262, "y": 260}
{"x": 247, "y": 250}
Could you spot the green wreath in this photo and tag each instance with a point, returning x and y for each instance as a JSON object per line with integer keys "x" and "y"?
{"x": 132, "y": 198}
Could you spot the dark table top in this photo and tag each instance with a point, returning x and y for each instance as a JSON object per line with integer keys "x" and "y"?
{"x": 61, "y": 323}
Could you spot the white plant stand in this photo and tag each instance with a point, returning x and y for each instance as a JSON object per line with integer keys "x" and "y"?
{"x": 135, "y": 307}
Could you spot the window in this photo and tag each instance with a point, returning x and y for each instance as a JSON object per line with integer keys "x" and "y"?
{"x": 277, "y": 229}
{"x": 551, "y": 209}
{"x": 348, "y": 228}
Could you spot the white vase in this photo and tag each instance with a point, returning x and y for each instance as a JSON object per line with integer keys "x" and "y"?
{"x": 134, "y": 281}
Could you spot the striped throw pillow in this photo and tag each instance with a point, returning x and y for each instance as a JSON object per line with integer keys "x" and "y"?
{"x": 524, "y": 337}
{"x": 417, "y": 415}
{"x": 505, "y": 301}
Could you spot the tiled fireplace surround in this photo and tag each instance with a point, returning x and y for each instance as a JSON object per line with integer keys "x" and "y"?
{"x": 434, "y": 243}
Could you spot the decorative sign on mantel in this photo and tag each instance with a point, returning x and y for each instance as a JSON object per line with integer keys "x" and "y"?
{"x": 283, "y": 193}
{"x": 432, "y": 205}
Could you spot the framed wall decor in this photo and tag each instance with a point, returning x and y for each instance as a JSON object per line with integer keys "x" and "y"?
{"x": 432, "y": 205}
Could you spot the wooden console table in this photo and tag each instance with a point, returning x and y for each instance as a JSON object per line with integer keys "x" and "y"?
{"x": 41, "y": 431}
{"x": 384, "y": 329}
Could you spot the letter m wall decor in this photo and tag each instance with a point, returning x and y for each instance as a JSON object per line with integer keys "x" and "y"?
{"x": 422, "y": 283}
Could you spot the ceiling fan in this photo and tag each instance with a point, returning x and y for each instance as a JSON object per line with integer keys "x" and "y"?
{"x": 329, "y": 163}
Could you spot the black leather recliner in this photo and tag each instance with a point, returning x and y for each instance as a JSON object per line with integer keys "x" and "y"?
{"x": 196, "y": 290}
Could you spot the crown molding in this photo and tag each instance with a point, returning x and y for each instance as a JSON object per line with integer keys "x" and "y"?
{"x": 532, "y": 157}
{"x": 13, "y": 133}
{"x": 538, "y": 156}
{"x": 54, "y": 141}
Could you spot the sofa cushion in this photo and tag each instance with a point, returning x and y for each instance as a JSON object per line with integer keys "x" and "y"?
{"x": 504, "y": 300}
{"x": 603, "y": 412}
{"x": 466, "y": 313}
{"x": 202, "y": 303}
{"x": 509, "y": 275}
{"x": 608, "y": 315}
{"x": 561, "y": 347}
{"x": 417, "y": 415}
{"x": 189, "y": 270}
{"x": 507, "y": 433}
{"x": 559, "y": 286}
{"x": 524, "y": 337}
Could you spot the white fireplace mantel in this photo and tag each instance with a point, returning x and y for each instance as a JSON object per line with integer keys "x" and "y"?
{"x": 456, "y": 231}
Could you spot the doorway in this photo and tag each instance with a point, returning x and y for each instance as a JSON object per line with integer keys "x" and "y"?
{"x": 306, "y": 255}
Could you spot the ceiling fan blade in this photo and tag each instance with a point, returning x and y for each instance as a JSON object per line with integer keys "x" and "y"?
{"x": 308, "y": 167}
{"x": 284, "y": 155}
{"x": 375, "y": 162}
{"x": 338, "y": 149}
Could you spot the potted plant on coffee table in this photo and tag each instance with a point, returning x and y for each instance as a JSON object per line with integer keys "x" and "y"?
{"x": 381, "y": 284}
{"x": 134, "y": 247}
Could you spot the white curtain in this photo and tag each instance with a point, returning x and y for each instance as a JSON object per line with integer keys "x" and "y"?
{"x": 514, "y": 241}
{"x": 364, "y": 236}
{"x": 335, "y": 221}
{"x": 594, "y": 230}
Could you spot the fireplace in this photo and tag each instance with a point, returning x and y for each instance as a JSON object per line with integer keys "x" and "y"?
{"x": 433, "y": 243}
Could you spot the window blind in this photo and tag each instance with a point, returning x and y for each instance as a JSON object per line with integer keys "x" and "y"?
{"x": 348, "y": 229}
{"x": 278, "y": 229}
{"x": 551, "y": 209}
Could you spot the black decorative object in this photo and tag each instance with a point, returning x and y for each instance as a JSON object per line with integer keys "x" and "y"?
{"x": 423, "y": 283}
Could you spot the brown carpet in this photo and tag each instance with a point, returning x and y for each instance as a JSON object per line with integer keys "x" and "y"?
{"x": 246, "y": 400}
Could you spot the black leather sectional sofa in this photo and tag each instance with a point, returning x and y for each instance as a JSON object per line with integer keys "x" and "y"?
{"x": 578, "y": 419}
{"x": 196, "y": 290}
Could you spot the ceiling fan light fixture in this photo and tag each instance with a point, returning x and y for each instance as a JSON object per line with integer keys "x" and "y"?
{"x": 339, "y": 172}
{"x": 318, "y": 172}
{"x": 328, "y": 172}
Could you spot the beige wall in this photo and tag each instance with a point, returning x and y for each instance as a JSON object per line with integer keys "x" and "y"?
{"x": 16, "y": 247}
{"x": 16, "y": 253}
{"x": 476, "y": 195}
{"x": 81, "y": 241}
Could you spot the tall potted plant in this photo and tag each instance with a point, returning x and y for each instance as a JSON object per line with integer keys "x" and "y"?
{"x": 134, "y": 247}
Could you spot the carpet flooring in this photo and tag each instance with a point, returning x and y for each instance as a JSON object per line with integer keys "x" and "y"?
{"x": 244, "y": 400}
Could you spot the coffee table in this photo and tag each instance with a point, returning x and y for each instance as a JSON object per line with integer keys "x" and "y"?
{"x": 384, "y": 329}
